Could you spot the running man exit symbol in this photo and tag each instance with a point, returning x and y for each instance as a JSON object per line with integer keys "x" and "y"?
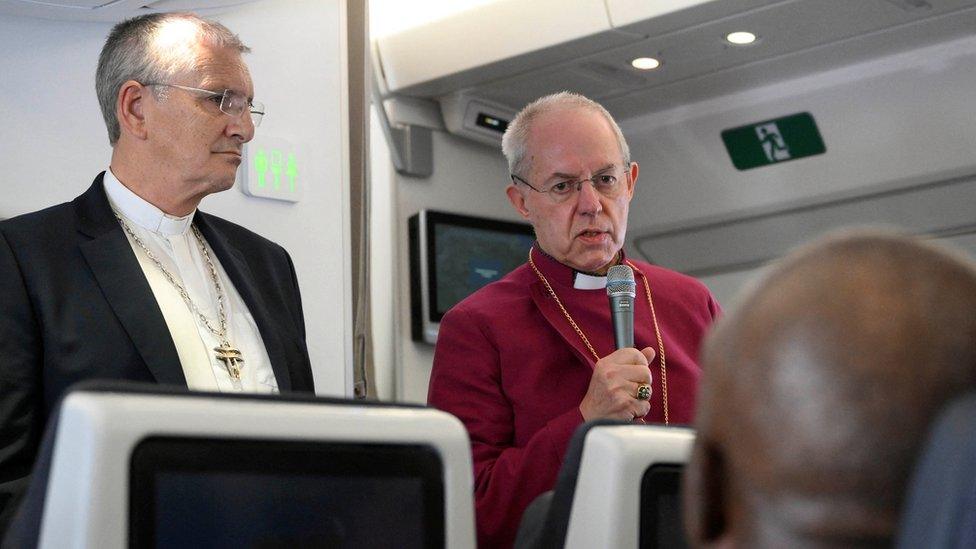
{"x": 773, "y": 141}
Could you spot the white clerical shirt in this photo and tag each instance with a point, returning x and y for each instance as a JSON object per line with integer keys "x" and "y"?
{"x": 173, "y": 243}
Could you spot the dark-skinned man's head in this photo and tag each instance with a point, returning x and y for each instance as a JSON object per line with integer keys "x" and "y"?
{"x": 819, "y": 389}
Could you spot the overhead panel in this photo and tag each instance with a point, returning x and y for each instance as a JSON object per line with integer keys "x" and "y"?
{"x": 795, "y": 37}
{"x": 745, "y": 243}
{"x": 493, "y": 40}
{"x": 663, "y": 16}
{"x": 929, "y": 28}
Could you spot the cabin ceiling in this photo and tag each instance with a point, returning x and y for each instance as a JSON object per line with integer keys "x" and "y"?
{"x": 796, "y": 37}
{"x": 110, "y": 10}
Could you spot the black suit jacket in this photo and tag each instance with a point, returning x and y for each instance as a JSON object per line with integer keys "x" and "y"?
{"x": 75, "y": 305}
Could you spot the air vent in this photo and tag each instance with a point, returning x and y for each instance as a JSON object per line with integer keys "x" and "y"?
{"x": 912, "y": 5}
{"x": 621, "y": 76}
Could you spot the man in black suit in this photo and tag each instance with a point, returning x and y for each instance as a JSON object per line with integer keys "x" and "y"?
{"x": 130, "y": 281}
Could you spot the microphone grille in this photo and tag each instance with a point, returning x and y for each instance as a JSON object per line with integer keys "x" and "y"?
{"x": 620, "y": 279}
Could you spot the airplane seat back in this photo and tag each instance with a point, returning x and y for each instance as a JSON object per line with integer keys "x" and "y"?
{"x": 618, "y": 487}
{"x": 126, "y": 464}
{"x": 940, "y": 507}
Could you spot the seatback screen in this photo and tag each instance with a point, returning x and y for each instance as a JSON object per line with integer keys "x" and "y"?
{"x": 187, "y": 492}
{"x": 661, "y": 525}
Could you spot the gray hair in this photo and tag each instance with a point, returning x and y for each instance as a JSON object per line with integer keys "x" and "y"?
{"x": 517, "y": 135}
{"x": 132, "y": 52}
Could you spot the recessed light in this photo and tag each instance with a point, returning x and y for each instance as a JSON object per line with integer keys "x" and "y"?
{"x": 741, "y": 38}
{"x": 645, "y": 63}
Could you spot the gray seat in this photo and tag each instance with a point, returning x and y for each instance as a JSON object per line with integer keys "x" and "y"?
{"x": 940, "y": 507}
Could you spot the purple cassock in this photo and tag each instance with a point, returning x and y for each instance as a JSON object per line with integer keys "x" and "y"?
{"x": 512, "y": 368}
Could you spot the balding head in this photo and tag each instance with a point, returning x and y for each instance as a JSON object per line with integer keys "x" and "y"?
{"x": 819, "y": 389}
{"x": 155, "y": 47}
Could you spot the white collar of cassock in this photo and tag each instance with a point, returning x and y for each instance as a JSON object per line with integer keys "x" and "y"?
{"x": 583, "y": 281}
{"x": 136, "y": 209}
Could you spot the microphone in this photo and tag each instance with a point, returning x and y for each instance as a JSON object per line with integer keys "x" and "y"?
{"x": 621, "y": 289}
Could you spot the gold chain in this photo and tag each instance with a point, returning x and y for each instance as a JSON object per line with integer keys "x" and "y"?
{"x": 221, "y": 333}
{"x": 586, "y": 341}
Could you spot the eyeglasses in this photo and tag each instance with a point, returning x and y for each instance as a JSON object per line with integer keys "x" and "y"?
{"x": 230, "y": 102}
{"x": 607, "y": 184}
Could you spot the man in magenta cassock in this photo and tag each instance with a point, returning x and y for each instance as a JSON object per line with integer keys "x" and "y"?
{"x": 527, "y": 359}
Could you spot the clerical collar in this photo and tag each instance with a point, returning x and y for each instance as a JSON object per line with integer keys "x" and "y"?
{"x": 583, "y": 281}
{"x": 141, "y": 212}
{"x": 566, "y": 275}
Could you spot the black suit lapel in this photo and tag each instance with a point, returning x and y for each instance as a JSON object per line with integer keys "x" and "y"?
{"x": 124, "y": 285}
{"x": 240, "y": 274}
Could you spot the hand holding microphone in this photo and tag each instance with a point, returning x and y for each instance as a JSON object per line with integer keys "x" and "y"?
{"x": 621, "y": 381}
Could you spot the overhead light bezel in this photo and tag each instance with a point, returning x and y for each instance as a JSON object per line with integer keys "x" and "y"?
{"x": 646, "y": 63}
{"x": 742, "y": 38}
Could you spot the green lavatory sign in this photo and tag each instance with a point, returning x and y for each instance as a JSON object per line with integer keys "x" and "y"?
{"x": 269, "y": 166}
{"x": 273, "y": 169}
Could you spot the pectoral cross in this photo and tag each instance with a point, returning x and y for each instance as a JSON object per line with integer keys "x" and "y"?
{"x": 232, "y": 359}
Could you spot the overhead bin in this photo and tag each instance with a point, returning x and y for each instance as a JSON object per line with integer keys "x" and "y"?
{"x": 653, "y": 18}
{"x": 481, "y": 44}
{"x": 511, "y": 51}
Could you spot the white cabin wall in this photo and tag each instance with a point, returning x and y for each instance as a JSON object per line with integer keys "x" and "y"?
{"x": 55, "y": 143}
{"x": 53, "y": 136}
{"x": 469, "y": 178}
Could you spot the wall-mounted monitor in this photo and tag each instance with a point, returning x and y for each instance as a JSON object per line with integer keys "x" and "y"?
{"x": 453, "y": 255}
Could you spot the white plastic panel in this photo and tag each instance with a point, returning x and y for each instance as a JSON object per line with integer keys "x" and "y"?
{"x": 745, "y": 243}
{"x": 625, "y": 12}
{"x": 87, "y": 504}
{"x": 484, "y": 35}
{"x": 606, "y": 505}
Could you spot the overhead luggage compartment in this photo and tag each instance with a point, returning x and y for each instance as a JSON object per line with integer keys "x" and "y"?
{"x": 509, "y": 52}
{"x": 484, "y": 43}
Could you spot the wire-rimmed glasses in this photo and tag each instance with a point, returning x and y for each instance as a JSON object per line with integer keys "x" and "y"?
{"x": 606, "y": 183}
{"x": 231, "y": 102}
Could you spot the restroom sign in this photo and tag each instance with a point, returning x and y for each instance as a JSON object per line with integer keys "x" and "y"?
{"x": 773, "y": 141}
{"x": 273, "y": 168}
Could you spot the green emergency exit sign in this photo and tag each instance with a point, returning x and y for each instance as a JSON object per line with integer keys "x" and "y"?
{"x": 773, "y": 141}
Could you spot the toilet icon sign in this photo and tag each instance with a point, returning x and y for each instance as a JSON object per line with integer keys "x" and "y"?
{"x": 273, "y": 171}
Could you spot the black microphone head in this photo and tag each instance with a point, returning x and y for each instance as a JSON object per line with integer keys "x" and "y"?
{"x": 620, "y": 281}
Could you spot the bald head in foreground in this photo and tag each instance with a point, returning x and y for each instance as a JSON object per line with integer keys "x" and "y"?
{"x": 819, "y": 390}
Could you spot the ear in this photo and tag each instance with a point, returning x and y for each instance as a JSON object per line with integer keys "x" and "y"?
{"x": 517, "y": 199}
{"x": 706, "y": 501}
{"x": 633, "y": 179}
{"x": 130, "y": 109}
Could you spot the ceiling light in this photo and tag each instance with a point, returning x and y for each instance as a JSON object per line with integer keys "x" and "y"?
{"x": 645, "y": 63}
{"x": 741, "y": 38}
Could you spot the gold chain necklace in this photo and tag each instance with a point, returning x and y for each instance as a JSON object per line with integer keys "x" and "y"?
{"x": 586, "y": 341}
{"x": 226, "y": 353}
